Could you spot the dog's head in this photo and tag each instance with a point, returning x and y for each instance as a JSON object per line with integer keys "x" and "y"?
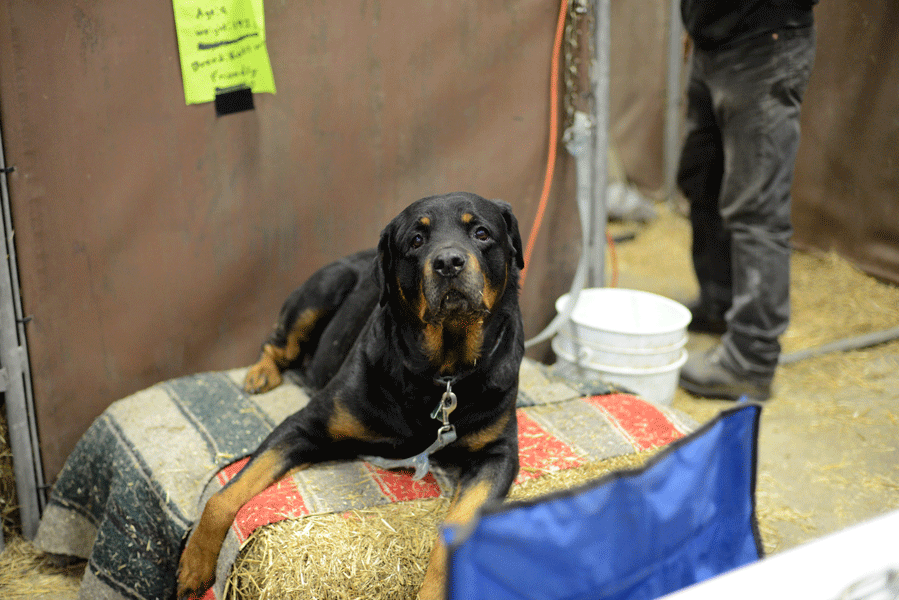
{"x": 449, "y": 260}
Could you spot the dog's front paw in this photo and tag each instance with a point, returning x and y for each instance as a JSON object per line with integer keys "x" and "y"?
{"x": 262, "y": 377}
{"x": 196, "y": 572}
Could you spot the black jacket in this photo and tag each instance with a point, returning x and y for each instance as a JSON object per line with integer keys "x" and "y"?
{"x": 716, "y": 24}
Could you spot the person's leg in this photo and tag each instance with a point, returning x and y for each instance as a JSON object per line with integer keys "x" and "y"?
{"x": 699, "y": 174}
{"x": 757, "y": 91}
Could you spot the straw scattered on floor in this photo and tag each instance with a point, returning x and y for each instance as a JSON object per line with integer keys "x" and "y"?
{"x": 26, "y": 573}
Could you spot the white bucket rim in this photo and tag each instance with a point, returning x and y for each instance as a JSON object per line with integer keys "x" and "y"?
{"x": 677, "y": 307}
{"x": 622, "y": 370}
{"x": 639, "y": 351}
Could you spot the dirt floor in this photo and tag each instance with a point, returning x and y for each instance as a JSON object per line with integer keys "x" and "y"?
{"x": 829, "y": 448}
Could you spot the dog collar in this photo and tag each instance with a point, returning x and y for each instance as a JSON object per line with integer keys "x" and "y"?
{"x": 449, "y": 380}
{"x": 446, "y": 435}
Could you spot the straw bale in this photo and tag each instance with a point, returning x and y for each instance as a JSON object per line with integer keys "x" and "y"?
{"x": 380, "y": 552}
{"x": 371, "y": 553}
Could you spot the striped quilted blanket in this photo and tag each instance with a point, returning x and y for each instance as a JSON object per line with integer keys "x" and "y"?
{"x": 139, "y": 477}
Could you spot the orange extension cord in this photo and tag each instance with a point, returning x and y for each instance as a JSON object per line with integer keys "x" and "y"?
{"x": 551, "y": 153}
{"x": 553, "y": 138}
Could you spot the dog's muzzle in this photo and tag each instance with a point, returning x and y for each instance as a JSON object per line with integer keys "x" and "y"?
{"x": 449, "y": 262}
{"x": 453, "y": 283}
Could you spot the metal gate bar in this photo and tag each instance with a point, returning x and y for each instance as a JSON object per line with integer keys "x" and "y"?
{"x": 15, "y": 379}
{"x": 673, "y": 101}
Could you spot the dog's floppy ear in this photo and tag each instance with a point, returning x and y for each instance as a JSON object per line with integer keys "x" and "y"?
{"x": 512, "y": 229}
{"x": 383, "y": 267}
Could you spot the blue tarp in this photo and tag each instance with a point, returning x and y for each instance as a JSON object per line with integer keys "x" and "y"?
{"x": 688, "y": 515}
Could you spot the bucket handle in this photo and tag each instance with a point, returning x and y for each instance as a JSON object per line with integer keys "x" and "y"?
{"x": 584, "y": 354}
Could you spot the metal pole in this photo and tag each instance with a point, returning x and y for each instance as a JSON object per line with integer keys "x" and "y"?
{"x": 587, "y": 140}
{"x": 673, "y": 99}
{"x": 853, "y": 343}
{"x": 15, "y": 379}
{"x": 600, "y": 76}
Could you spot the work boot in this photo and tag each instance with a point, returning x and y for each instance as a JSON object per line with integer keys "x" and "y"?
{"x": 707, "y": 318}
{"x": 707, "y": 376}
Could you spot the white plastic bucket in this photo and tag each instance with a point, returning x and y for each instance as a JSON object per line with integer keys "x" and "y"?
{"x": 621, "y": 318}
{"x": 656, "y": 384}
{"x": 619, "y": 357}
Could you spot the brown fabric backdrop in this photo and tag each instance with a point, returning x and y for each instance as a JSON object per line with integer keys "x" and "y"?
{"x": 846, "y": 192}
{"x": 156, "y": 240}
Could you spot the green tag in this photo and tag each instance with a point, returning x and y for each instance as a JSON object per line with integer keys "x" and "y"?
{"x": 222, "y": 47}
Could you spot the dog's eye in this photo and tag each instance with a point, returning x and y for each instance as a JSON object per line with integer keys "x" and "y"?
{"x": 482, "y": 234}
{"x": 417, "y": 241}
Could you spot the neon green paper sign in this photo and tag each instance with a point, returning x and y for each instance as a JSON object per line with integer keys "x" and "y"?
{"x": 222, "y": 47}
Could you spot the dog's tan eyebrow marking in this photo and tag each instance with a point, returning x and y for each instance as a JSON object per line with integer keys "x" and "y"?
{"x": 467, "y": 218}
{"x": 425, "y": 221}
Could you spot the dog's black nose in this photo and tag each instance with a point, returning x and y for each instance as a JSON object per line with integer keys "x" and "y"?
{"x": 449, "y": 262}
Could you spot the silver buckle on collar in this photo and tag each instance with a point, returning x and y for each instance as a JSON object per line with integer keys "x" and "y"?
{"x": 446, "y": 435}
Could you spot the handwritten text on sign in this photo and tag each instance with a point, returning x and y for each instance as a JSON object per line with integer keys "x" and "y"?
{"x": 222, "y": 47}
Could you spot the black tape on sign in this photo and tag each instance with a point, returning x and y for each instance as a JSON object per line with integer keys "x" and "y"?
{"x": 233, "y": 100}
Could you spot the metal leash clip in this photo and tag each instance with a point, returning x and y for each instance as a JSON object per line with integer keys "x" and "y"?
{"x": 446, "y": 435}
{"x": 447, "y": 405}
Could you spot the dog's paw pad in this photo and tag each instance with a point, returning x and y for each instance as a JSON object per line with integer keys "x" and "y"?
{"x": 261, "y": 377}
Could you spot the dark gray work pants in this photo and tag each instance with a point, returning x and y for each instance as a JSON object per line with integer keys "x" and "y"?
{"x": 736, "y": 169}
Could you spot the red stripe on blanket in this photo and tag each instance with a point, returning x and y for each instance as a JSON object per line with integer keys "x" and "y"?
{"x": 277, "y": 502}
{"x": 229, "y": 471}
{"x": 398, "y": 486}
{"x": 539, "y": 452}
{"x": 641, "y": 422}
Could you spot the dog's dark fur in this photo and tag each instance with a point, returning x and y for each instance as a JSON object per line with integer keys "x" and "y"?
{"x": 442, "y": 305}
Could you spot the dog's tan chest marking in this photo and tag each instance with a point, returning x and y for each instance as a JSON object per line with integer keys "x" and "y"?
{"x": 456, "y": 346}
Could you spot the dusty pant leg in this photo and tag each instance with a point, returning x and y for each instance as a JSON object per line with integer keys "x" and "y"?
{"x": 699, "y": 174}
{"x": 758, "y": 91}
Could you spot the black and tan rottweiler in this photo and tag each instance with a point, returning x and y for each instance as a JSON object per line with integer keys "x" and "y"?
{"x": 414, "y": 349}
